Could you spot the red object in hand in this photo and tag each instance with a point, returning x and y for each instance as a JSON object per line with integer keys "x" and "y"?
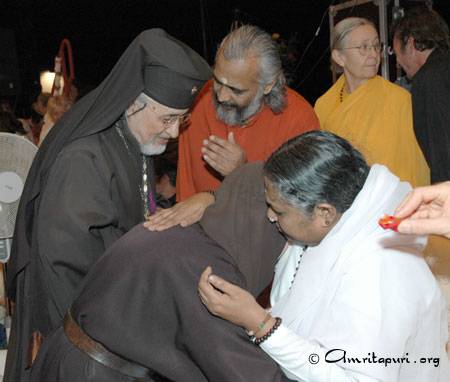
{"x": 389, "y": 222}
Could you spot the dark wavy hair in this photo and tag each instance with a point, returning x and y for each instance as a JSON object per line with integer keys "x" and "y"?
{"x": 426, "y": 26}
{"x": 317, "y": 167}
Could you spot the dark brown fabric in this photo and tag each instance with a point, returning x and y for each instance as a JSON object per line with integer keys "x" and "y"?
{"x": 76, "y": 365}
{"x": 238, "y": 223}
{"x": 140, "y": 299}
{"x": 99, "y": 353}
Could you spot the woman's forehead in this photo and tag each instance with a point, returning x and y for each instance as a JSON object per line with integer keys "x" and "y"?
{"x": 363, "y": 32}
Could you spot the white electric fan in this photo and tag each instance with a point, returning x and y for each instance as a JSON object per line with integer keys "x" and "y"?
{"x": 16, "y": 156}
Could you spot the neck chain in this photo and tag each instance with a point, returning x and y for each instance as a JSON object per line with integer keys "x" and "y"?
{"x": 146, "y": 194}
{"x": 298, "y": 265}
{"x": 148, "y": 201}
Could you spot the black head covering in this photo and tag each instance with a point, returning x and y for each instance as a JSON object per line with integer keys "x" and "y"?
{"x": 170, "y": 88}
{"x": 150, "y": 53}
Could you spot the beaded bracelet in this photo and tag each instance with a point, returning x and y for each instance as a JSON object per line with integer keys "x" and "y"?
{"x": 260, "y": 340}
{"x": 261, "y": 325}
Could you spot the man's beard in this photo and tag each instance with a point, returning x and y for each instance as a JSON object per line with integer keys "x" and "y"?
{"x": 233, "y": 115}
{"x": 152, "y": 147}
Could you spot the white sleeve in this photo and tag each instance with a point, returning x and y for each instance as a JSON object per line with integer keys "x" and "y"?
{"x": 304, "y": 360}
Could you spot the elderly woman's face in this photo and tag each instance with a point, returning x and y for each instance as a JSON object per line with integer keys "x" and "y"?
{"x": 361, "y": 53}
{"x": 291, "y": 222}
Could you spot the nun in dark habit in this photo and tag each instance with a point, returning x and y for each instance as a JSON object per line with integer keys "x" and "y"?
{"x": 92, "y": 181}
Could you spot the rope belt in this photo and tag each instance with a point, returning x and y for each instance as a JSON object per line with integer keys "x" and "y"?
{"x": 99, "y": 353}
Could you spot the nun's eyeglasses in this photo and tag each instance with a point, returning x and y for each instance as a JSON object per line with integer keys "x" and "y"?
{"x": 365, "y": 48}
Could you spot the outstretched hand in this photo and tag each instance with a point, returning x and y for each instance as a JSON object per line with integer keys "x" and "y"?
{"x": 426, "y": 210}
{"x": 229, "y": 301}
{"x": 222, "y": 155}
{"x": 183, "y": 213}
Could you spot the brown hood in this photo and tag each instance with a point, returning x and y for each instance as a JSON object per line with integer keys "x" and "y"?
{"x": 237, "y": 221}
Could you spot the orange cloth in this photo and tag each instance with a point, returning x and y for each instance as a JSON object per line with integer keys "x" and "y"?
{"x": 263, "y": 135}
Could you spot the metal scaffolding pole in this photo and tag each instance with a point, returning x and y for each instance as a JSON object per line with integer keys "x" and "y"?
{"x": 384, "y": 36}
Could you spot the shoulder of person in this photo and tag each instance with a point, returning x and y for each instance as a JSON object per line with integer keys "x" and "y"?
{"x": 82, "y": 147}
{"x": 295, "y": 101}
{"x": 295, "y": 95}
{"x": 400, "y": 266}
{"x": 204, "y": 96}
{"x": 395, "y": 91}
{"x": 330, "y": 95}
{"x": 435, "y": 72}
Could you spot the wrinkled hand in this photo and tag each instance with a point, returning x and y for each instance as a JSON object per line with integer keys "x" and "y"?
{"x": 229, "y": 301}
{"x": 426, "y": 210}
{"x": 222, "y": 155}
{"x": 183, "y": 213}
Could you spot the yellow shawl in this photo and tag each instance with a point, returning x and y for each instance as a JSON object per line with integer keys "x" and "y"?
{"x": 377, "y": 119}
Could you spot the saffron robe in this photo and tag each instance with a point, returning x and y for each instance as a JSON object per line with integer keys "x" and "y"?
{"x": 259, "y": 138}
{"x": 376, "y": 119}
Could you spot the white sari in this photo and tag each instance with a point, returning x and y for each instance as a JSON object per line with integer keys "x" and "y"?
{"x": 365, "y": 291}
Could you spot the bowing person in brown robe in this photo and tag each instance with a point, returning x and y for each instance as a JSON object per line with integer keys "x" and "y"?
{"x": 140, "y": 303}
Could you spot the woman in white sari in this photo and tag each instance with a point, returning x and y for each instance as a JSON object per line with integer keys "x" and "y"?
{"x": 350, "y": 301}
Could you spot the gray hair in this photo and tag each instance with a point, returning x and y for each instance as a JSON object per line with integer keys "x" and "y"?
{"x": 143, "y": 99}
{"x": 343, "y": 28}
{"x": 251, "y": 41}
{"x": 317, "y": 167}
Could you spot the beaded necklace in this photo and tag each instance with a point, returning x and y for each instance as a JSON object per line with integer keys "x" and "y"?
{"x": 298, "y": 265}
{"x": 341, "y": 94}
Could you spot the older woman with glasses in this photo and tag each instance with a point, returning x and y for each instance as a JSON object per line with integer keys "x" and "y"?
{"x": 371, "y": 112}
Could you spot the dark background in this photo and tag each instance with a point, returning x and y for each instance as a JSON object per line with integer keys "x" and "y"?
{"x": 101, "y": 30}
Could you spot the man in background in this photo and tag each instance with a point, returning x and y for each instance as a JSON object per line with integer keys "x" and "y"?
{"x": 422, "y": 45}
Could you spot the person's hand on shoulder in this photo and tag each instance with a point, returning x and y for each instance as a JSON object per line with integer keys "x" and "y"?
{"x": 426, "y": 210}
{"x": 183, "y": 213}
{"x": 232, "y": 303}
{"x": 222, "y": 155}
